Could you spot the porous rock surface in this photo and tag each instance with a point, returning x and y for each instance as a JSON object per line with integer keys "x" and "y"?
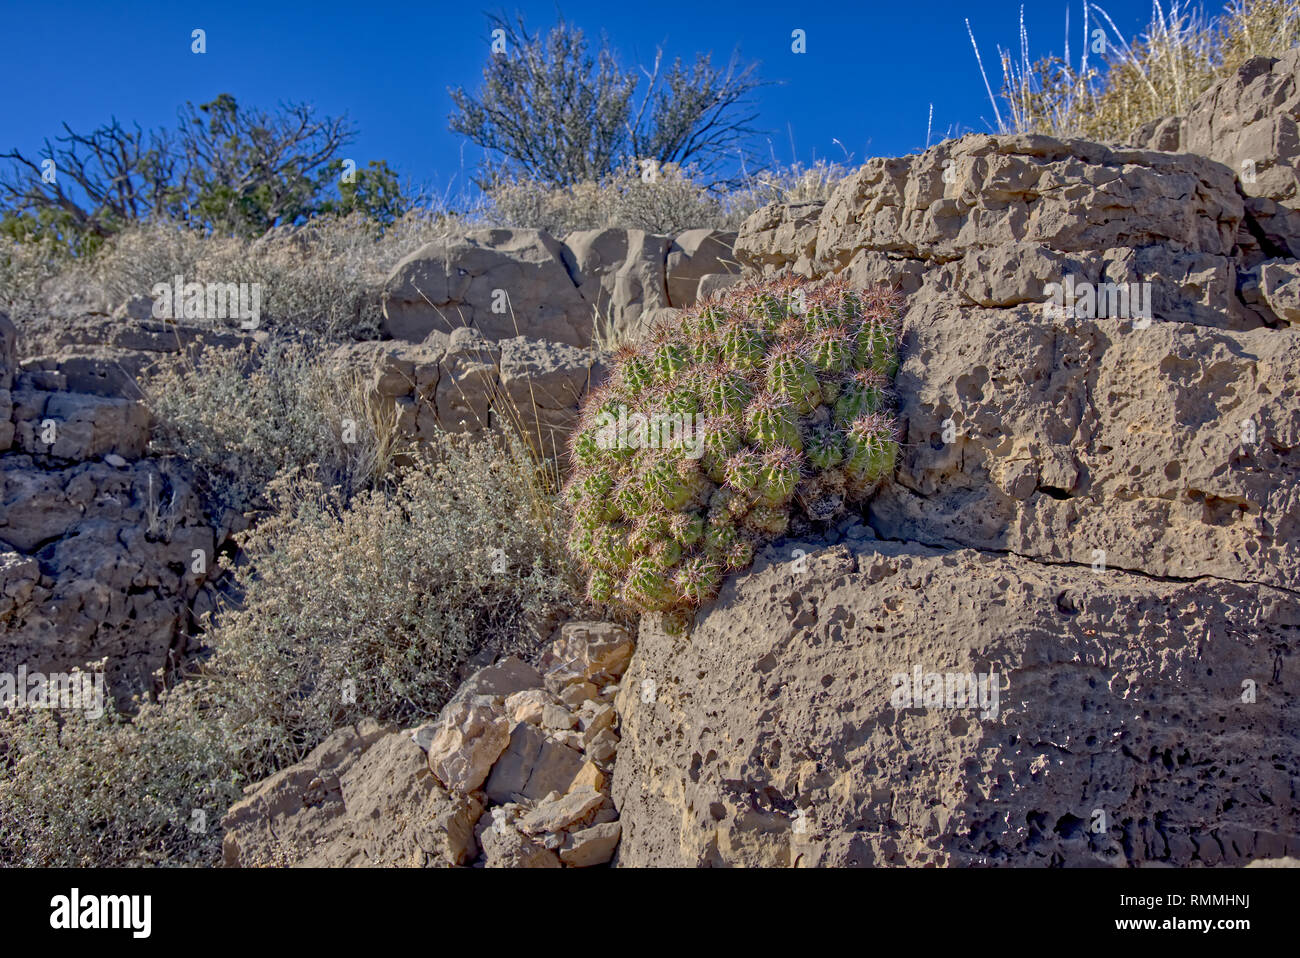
{"x": 769, "y": 736}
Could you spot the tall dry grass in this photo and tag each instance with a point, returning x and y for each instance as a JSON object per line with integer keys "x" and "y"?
{"x": 1108, "y": 95}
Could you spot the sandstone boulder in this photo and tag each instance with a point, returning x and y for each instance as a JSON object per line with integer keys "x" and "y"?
{"x": 620, "y": 274}
{"x": 472, "y": 734}
{"x": 1247, "y": 122}
{"x": 586, "y": 651}
{"x": 1169, "y": 450}
{"x": 694, "y": 255}
{"x": 590, "y": 846}
{"x": 501, "y": 282}
{"x": 117, "y": 548}
{"x": 505, "y": 847}
{"x": 363, "y": 797}
{"x": 1280, "y": 287}
{"x": 532, "y": 766}
{"x": 992, "y": 220}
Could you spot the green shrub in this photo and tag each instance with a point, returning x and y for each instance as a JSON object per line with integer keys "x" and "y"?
{"x": 770, "y": 405}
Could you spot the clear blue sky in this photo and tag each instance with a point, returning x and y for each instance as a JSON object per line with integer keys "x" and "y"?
{"x": 868, "y": 78}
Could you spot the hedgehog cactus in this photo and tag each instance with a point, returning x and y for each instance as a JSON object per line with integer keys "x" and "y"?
{"x": 767, "y": 408}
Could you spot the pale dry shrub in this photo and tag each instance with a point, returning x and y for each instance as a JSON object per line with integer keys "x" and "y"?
{"x": 242, "y": 416}
{"x": 669, "y": 202}
{"x": 322, "y": 277}
{"x": 666, "y": 202}
{"x": 795, "y": 183}
{"x": 118, "y": 790}
{"x": 391, "y": 592}
{"x": 26, "y": 267}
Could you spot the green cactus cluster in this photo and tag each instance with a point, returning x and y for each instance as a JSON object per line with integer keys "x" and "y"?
{"x": 770, "y": 405}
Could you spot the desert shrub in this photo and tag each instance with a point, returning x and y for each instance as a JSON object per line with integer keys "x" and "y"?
{"x": 768, "y": 406}
{"x": 669, "y": 202}
{"x": 117, "y": 790}
{"x": 225, "y": 169}
{"x": 795, "y": 183}
{"x": 26, "y": 265}
{"x": 551, "y": 108}
{"x": 1161, "y": 73}
{"x": 393, "y": 591}
{"x": 241, "y": 417}
{"x": 323, "y": 277}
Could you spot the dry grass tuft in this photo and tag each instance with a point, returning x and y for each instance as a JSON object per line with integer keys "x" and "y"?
{"x": 1161, "y": 73}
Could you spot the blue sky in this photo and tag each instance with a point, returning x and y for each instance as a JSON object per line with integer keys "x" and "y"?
{"x": 868, "y": 78}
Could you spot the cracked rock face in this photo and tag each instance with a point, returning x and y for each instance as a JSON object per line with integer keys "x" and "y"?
{"x": 464, "y": 382}
{"x": 991, "y": 220}
{"x": 1120, "y": 735}
{"x": 1165, "y": 444}
{"x": 1248, "y": 123}
{"x": 1174, "y": 450}
{"x": 105, "y": 553}
{"x": 524, "y": 282}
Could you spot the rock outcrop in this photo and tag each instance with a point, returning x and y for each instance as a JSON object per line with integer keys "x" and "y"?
{"x": 513, "y": 773}
{"x": 464, "y": 382}
{"x": 507, "y": 283}
{"x": 1137, "y": 720}
{"x": 990, "y": 221}
{"x": 1248, "y": 122}
{"x": 1097, "y": 504}
{"x": 105, "y": 552}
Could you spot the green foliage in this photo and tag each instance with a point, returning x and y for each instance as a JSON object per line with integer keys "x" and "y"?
{"x": 373, "y": 191}
{"x": 788, "y": 392}
{"x": 224, "y": 169}
{"x": 556, "y": 112}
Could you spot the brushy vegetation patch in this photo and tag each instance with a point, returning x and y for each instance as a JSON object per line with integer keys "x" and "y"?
{"x": 349, "y": 609}
{"x": 242, "y": 417}
{"x": 392, "y": 592}
{"x": 118, "y": 790}
{"x": 324, "y": 278}
{"x": 659, "y": 200}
